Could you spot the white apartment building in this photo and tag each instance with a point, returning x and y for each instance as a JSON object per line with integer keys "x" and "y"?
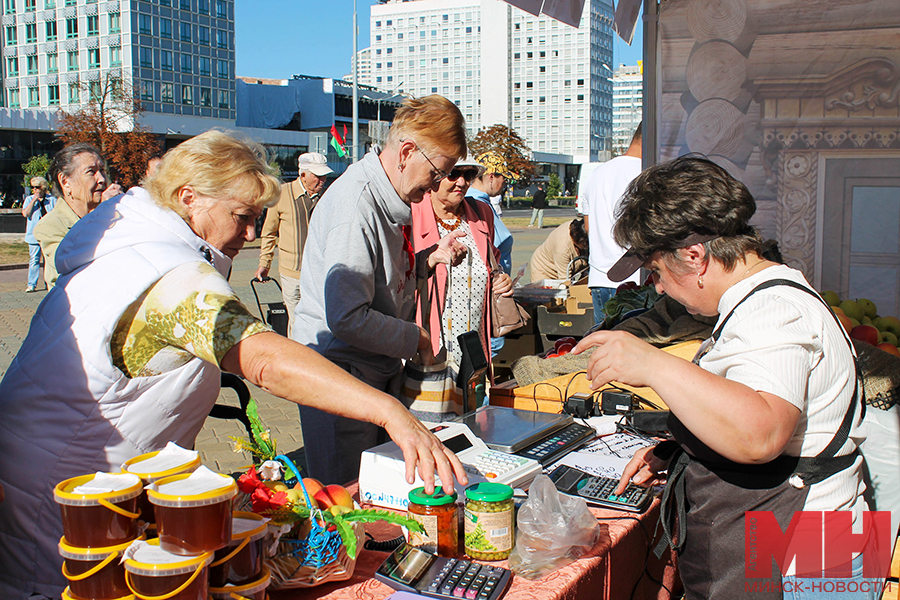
{"x": 178, "y": 56}
{"x": 501, "y": 65}
{"x": 364, "y": 57}
{"x": 627, "y": 102}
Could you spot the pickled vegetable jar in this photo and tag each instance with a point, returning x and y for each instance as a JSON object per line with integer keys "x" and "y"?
{"x": 437, "y": 514}
{"x": 490, "y": 528}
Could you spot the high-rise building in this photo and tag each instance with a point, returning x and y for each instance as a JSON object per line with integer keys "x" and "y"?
{"x": 499, "y": 64}
{"x": 364, "y": 57}
{"x": 627, "y": 98}
{"x": 177, "y": 55}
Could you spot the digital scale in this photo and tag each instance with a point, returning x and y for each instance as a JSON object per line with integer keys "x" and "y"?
{"x": 497, "y": 444}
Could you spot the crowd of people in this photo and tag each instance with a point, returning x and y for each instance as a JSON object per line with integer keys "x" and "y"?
{"x": 126, "y": 351}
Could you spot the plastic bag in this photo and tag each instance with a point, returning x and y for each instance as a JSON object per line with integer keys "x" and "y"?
{"x": 552, "y": 530}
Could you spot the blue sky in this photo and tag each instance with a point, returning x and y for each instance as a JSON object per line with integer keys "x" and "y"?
{"x": 279, "y": 38}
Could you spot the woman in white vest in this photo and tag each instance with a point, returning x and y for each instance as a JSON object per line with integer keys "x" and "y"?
{"x": 125, "y": 353}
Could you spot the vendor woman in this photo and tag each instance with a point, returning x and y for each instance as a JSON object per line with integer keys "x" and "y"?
{"x": 125, "y": 353}
{"x": 774, "y": 382}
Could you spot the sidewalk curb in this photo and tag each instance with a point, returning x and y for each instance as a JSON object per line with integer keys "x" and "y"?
{"x": 13, "y": 267}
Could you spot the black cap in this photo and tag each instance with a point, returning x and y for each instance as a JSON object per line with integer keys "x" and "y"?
{"x": 631, "y": 261}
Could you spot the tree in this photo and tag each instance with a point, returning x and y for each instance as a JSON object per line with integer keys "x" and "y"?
{"x": 37, "y": 166}
{"x": 109, "y": 120}
{"x": 511, "y": 146}
{"x": 554, "y": 186}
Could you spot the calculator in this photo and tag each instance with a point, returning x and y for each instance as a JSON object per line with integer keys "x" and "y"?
{"x": 600, "y": 490}
{"x": 493, "y": 465}
{"x": 411, "y": 569}
{"x": 559, "y": 443}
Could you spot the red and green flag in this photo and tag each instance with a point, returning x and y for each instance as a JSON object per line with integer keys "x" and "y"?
{"x": 337, "y": 142}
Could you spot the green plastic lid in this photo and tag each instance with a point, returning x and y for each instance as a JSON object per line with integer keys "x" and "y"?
{"x": 438, "y": 498}
{"x": 489, "y": 492}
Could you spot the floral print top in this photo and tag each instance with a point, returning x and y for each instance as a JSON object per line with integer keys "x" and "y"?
{"x": 190, "y": 312}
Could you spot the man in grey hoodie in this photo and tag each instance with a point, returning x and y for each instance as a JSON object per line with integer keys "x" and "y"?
{"x": 359, "y": 272}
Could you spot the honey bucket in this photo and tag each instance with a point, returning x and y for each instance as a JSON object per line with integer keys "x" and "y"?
{"x": 99, "y": 520}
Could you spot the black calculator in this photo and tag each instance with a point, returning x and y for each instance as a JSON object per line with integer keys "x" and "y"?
{"x": 411, "y": 569}
{"x": 561, "y": 442}
{"x": 600, "y": 490}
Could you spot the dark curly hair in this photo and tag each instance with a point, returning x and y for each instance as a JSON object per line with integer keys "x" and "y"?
{"x": 689, "y": 195}
{"x": 578, "y": 234}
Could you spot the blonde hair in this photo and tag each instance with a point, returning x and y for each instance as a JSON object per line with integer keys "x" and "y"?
{"x": 434, "y": 122}
{"x": 217, "y": 165}
{"x": 41, "y": 182}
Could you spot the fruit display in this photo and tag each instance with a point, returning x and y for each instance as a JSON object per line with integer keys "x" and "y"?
{"x": 862, "y": 322}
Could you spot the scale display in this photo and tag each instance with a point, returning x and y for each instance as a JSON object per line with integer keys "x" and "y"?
{"x": 509, "y": 429}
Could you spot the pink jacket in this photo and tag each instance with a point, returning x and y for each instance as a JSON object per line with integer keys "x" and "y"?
{"x": 480, "y": 218}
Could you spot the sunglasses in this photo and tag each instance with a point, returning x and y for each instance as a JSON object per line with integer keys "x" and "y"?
{"x": 466, "y": 173}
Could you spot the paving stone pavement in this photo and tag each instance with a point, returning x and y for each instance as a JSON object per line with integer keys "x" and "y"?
{"x": 213, "y": 442}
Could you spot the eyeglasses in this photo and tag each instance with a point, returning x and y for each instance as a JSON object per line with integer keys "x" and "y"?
{"x": 441, "y": 175}
{"x": 468, "y": 174}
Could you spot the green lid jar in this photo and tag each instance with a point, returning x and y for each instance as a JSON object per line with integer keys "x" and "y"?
{"x": 437, "y": 514}
{"x": 490, "y": 529}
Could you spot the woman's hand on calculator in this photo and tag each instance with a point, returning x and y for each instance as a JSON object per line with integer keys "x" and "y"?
{"x": 644, "y": 469}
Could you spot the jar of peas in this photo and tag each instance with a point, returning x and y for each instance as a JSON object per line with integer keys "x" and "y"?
{"x": 490, "y": 528}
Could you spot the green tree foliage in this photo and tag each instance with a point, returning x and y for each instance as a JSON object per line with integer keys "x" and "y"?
{"x": 37, "y": 166}
{"x": 554, "y": 186}
{"x": 509, "y": 144}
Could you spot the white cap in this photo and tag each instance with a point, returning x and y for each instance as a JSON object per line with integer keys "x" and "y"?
{"x": 315, "y": 163}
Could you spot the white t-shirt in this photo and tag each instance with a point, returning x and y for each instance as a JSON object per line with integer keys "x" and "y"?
{"x": 784, "y": 342}
{"x": 601, "y": 197}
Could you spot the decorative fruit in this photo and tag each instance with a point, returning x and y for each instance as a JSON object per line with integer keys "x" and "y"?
{"x": 868, "y": 307}
{"x": 331, "y": 495}
{"x": 867, "y": 321}
{"x": 837, "y": 310}
{"x": 831, "y": 298}
{"x": 889, "y": 348}
{"x": 845, "y": 322}
{"x": 295, "y": 496}
{"x": 313, "y": 486}
{"x": 853, "y": 310}
{"x": 865, "y": 333}
{"x": 854, "y": 322}
{"x": 891, "y": 324}
{"x": 276, "y": 486}
{"x": 887, "y": 336}
{"x": 338, "y": 509}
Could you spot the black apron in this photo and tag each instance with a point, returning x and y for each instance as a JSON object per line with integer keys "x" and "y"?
{"x": 707, "y": 495}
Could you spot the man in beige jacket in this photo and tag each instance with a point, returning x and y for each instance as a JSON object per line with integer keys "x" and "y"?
{"x": 287, "y": 224}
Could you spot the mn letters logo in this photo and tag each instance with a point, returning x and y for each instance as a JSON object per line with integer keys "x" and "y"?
{"x": 816, "y": 539}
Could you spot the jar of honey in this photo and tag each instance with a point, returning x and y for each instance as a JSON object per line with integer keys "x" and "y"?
{"x": 253, "y": 590}
{"x": 241, "y": 560}
{"x": 193, "y": 517}
{"x": 94, "y": 573}
{"x": 150, "y": 468}
{"x": 154, "y": 574}
{"x": 489, "y": 521}
{"x": 94, "y": 519}
{"x": 68, "y": 595}
{"x": 438, "y": 515}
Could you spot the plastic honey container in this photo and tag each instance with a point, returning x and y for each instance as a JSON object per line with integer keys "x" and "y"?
{"x": 253, "y": 590}
{"x": 99, "y": 519}
{"x": 154, "y": 574}
{"x": 68, "y": 595}
{"x": 240, "y": 561}
{"x": 154, "y": 466}
{"x": 94, "y": 573}
{"x": 193, "y": 511}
